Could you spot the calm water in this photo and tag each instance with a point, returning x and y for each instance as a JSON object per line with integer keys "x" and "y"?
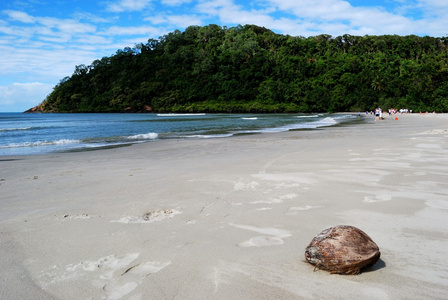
{"x": 26, "y": 134}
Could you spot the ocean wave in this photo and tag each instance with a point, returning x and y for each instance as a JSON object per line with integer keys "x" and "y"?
{"x": 250, "y": 118}
{"x": 350, "y": 116}
{"x": 180, "y": 115}
{"x": 41, "y": 143}
{"x": 15, "y": 129}
{"x": 328, "y": 121}
{"x": 311, "y": 116}
{"x": 264, "y": 130}
{"x": 144, "y": 136}
{"x": 209, "y": 136}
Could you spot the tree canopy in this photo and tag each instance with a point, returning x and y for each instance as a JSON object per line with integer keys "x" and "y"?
{"x": 252, "y": 69}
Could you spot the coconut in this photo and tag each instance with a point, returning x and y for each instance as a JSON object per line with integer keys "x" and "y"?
{"x": 342, "y": 250}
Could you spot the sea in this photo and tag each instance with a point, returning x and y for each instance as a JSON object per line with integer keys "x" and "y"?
{"x": 37, "y": 133}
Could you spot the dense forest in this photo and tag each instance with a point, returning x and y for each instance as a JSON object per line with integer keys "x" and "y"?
{"x": 252, "y": 69}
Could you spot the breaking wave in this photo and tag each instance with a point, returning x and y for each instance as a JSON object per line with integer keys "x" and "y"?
{"x": 41, "y": 143}
{"x": 15, "y": 129}
{"x": 144, "y": 136}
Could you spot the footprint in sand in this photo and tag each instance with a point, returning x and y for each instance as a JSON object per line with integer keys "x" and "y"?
{"x": 118, "y": 291}
{"x": 240, "y": 186}
{"x": 264, "y": 208}
{"x": 377, "y": 198}
{"x": 116, "y": 275}
{"x": 270, "y": 237}
{"x": 149, "y": 217}
{"x": 130, "y": 279}
{"x": 82, "y": 216}
{"x": 296, "y": 209}
{"x": 260, "y": 241}
{"x": 273, "y": 201}
{"x": 439, "y": 204}
{"x": 270, "y": 201}
{"x": 436, "y": 131}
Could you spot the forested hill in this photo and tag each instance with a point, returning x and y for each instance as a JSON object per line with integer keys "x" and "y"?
{"x": 252, "y": 69}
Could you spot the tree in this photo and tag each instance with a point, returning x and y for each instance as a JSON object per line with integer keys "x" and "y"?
{"x": 250, "y": 68}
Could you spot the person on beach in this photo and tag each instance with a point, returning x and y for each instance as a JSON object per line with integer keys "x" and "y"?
{"x": 377, "y": 114}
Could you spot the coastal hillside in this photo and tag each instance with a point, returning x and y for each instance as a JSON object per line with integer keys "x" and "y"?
{"x": 252, "y": 69}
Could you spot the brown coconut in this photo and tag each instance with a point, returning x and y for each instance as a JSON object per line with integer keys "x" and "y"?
{"x": 342, "y": 250}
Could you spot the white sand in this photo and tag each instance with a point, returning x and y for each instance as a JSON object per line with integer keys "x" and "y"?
{"x": 229, "y": 218}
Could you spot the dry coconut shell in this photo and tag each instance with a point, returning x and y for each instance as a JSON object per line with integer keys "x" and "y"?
{"x": 342, "y": 250}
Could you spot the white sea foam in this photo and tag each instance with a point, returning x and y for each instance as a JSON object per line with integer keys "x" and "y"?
{"x": 179, "y": 115}
{"x": 251, "y": 118}
{"x": 349, "y": 116}
{"x": 41, "y": 143}
{"x": 144, "y": 136}
{"x": 209, "y": 136}
{"x": 311, "y": 116}
{"x": 265, "y": 130}
{"x": 328, "y": 121}
{"x": 15, "y": 129}
{"x": 64, "y": 142}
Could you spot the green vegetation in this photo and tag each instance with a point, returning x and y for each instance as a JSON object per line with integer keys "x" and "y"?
{"x": 251, "y": 69}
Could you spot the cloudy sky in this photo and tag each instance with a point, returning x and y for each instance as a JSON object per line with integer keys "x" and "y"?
{"x": 41, "y": 41}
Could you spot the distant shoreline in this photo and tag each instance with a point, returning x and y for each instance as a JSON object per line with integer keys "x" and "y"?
{"x": 42, "y": 133}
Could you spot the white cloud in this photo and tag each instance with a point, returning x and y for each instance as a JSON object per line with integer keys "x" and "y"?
{"x": 66, "y": 25}
{"x": 51, "y": 30}
{"x": 131, "y": 30}
{"x": 157, "y": 19}
{"x": 175, "y": 2}
{"x": 19, "y": 16}
{"x": 177, "y": 21}
{"x": 335, "y": 17}
{"x": 22, "y": 96}
{"x": 435, "y": 3}
{"x": 49, "y": 65}
{"x": 184, "y": 20}
{"x": 435, "y": 11}
{"x": 230, "y": 13}
{"x": 128, "y": 5}
{"x": 83, "y": 40}
{"x": 93, "y": 18}
{"x": 215, "y": 7}
{"x": 7, "y": 30}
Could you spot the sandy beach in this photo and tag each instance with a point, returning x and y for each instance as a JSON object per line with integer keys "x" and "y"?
{"x": 230, "y": 218}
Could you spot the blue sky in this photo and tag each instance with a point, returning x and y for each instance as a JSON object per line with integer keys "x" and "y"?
{"x": 41, "y": 41}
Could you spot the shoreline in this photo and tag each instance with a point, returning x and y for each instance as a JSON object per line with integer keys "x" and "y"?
{"x": 27, "y": 137}
{"x": 229, "y": 218}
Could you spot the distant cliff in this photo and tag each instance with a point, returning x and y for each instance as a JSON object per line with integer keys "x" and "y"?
{"x": 37, "y": 109}
{"x": 251, "y": 69}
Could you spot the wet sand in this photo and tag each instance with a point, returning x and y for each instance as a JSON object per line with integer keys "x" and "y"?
{"x": 229, "y": 218}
